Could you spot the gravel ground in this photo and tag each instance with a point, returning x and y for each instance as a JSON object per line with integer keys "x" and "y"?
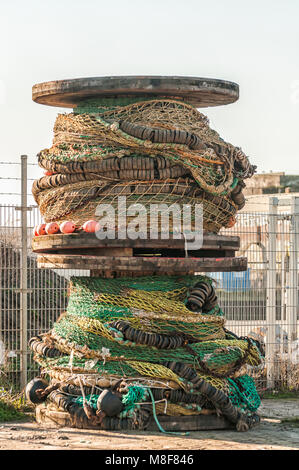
{"x": 271, "y": 434}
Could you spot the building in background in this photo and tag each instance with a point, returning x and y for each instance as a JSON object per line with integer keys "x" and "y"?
{"x": 271, "y": 183}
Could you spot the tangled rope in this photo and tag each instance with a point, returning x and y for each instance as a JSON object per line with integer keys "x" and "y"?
{"x": 155, "y": 334}
{"x": 150, "y": 151}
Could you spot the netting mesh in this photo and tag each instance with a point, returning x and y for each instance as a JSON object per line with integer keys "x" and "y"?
{"x": 148, "y": 339}
{"x": 139, "y": 331}
{"x": 151, "y": 151}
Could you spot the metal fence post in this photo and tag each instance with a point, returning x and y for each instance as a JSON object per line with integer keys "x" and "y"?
{"x": 23, "y": 292}
{"x": 271, "y": 293}
{"x": 292, "y": 298}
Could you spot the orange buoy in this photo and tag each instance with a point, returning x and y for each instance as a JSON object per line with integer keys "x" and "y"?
{"x": 48, "y": 173}
{"x": 91, "y": 226}
{"x": 67, "y": 227}
{"x": 231, "y": 222}
{"x": 41, "y": 229}
{"x": 35, "y": 232}
{"x": 52, "y": 227}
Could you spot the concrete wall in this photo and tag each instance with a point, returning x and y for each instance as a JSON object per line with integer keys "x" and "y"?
{"x": 259, "y": 182}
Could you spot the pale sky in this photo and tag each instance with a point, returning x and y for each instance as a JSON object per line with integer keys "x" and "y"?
{"x": 253, "y": 43}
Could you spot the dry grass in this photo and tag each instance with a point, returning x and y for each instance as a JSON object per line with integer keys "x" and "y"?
{"x": 288, "y": 376}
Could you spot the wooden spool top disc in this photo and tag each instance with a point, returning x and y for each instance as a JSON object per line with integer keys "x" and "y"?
{"x": 199, "y": 92}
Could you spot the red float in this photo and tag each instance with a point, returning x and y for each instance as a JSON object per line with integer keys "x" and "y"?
{"x": 67, "y": 227}
{"x": 41, "y": 229}
{"x": 52, "y": 227}
{"x": 91, "y": 226}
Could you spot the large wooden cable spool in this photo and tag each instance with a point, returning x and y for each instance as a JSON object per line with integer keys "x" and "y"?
{"x": 116, "y": 258}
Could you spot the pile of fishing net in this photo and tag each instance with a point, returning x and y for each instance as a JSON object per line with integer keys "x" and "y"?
{"x": 128, "y": 350}
{"x": 150, "y": 151}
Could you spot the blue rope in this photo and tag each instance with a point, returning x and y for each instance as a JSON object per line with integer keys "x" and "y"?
{"x": 157, "y": 422}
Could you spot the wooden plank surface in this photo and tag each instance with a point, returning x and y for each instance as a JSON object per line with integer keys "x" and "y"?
{"x": 201, "y": 422}
{"x": 83, "y": 240}
{"x": 198, "y": 91}
{"x": 137, "y": 264}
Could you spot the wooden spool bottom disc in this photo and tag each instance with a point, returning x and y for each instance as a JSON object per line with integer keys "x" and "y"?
{"x": 153, "y": 264}
{"x": 53, "y": 417}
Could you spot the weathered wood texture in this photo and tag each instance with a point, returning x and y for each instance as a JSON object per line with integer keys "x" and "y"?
{"x": 75, "y": 242}
{"x": 202, "y": 422}
{"x": 200, "y": 92}
{"x": 154, "y": 264}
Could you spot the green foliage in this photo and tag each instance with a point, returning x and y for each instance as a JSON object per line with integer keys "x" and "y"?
{"x": 13, "y": 407}
{"x": 9, "y": 413}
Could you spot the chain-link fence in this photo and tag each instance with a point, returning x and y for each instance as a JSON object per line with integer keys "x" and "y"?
{"x": 261, "y": 302}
